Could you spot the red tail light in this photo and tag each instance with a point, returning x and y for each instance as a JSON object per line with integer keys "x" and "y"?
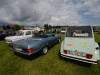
{"x": 28, "y": 50}
{"x": 89, "y": 56}
{"x": 65, "y": 51}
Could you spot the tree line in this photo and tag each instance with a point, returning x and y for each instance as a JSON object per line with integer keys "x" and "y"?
{"x": 16, "y": 27}
{"x": 47, "y": 26}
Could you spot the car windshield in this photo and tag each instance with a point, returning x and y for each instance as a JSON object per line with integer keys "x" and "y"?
{"x": 79, "y": 32}
{"x": 43, "y": 34}
{"x": 19, "y": 33}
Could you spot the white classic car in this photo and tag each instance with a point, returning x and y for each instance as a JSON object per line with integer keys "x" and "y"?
{"x": 63, "y": 31}
{"x": 21, "y": 34}
{"x": 79, "y": 44}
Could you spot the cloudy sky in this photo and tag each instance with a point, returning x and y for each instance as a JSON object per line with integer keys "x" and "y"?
{"x": 54, "y": 12}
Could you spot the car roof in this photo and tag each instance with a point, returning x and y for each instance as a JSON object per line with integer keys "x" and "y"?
{"x": 79, "y": 27}
{"x": 26, "y": 30}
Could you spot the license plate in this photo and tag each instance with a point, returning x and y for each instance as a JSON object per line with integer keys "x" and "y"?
{"x": 69, "y": 52}
{"x": 78, "y": 53}
{"x": 73, "y": 53}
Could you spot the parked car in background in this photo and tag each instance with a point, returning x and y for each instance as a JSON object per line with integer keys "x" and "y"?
{"x": 6, "y": 33}
{"x": 63, "y": 31}
{"x": 95, "y": 29}
{"x": 21, "y": 34}
{"x": 1, "y": 31}
{"x": 79, "y": 44}
{"x": 40, "y": 42}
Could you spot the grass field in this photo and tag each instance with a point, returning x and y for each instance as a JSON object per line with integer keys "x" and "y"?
{"x": 49, "y": 64}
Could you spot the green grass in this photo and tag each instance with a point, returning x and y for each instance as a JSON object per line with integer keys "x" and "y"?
{"x": 49, "y": 64}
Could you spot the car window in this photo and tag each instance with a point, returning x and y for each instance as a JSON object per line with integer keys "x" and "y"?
{"x": 79, "y": 33}
{"x": 49, "y": 34}
{"x": 39, "y": 35}
{"x": 28, "y": 33}
{"x": 19, "y": 33}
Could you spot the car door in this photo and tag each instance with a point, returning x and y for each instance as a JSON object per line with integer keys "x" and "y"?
{"x": 51, "y": 40}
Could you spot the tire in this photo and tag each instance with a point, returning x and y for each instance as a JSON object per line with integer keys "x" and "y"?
{"x": 44, "y": 50}
{"x": 59, "y": 40}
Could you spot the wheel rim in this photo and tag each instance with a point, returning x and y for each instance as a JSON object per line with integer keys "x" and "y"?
{"x": 45, "y": 50}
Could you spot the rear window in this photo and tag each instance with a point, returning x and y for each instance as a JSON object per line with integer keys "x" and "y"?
{"x": 79, "y": 32}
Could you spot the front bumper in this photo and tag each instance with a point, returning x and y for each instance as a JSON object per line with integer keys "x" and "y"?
{"x": 80, "y": 59}
{"x": 24, "y": 53}
{"x": 8, "y": 42}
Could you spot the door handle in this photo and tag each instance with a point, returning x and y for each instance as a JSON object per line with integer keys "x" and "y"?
{"x": 97, "y": 48}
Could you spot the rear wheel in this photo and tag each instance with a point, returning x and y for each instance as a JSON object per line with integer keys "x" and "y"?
{"x": 44, "y": 50}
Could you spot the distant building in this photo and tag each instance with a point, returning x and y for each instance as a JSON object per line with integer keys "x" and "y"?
{"x": 35, "y": 28}
{"x": 11, "y": 26}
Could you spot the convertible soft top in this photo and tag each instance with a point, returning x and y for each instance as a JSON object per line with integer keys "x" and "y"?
{"x": 79, "y": 28}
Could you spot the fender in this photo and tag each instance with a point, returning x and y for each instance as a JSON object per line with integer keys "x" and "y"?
{"x": 61, "y": 48}
{"x": 97, "y": 51}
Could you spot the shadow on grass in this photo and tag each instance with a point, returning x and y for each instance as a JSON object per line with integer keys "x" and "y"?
{"x": 31, "y": 57}
{"x": 74, "y": 61}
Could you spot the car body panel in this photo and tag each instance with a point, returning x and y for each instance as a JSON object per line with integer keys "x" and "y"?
{"x": 19, "y": 37}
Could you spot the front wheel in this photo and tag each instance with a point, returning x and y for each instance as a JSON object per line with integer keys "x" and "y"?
{"x": 44, "y": 50}
{"x": 59, "y": 40}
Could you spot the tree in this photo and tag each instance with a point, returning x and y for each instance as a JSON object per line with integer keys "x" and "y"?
{"x": 49, "y": 27}
{"x": 16, "y": 27}
{"x": 46, "y": 26}
{"x": 4, "y": 27}
{"x": 7, "y": 27}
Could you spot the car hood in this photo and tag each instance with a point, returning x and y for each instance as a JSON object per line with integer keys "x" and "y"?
{"x": 27, "y": 43}
{"x": 13, "y": 37}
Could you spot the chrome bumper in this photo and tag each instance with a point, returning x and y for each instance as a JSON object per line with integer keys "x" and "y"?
{"x": 79, "y": 59}
{"x": 24, "y": 53}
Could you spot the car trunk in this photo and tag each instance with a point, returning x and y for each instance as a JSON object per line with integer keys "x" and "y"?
{"x": 79, "y": 45}
{"x": 26, "y": 42}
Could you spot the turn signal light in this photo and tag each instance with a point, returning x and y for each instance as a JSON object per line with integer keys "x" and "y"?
{"x": 28, "y": 50}
{"x": 65, "y": 51}
{"x": 89, "y": 56}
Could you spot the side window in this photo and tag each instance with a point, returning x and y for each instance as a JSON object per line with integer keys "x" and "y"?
{"x": 28, "y": 33}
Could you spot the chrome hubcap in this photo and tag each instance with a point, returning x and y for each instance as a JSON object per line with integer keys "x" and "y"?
{"x": 45, "y": 50}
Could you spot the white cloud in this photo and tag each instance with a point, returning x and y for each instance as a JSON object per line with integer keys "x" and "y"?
{"x": 56, "y": 12}
{"x": 92, "y": 7}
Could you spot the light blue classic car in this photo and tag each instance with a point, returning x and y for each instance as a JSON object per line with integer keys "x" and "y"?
{"x": 38, "y": 42}
{"x": 79, "y": 44}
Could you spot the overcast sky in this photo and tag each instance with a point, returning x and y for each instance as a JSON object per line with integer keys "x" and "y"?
{"x": 54, "y": 12}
